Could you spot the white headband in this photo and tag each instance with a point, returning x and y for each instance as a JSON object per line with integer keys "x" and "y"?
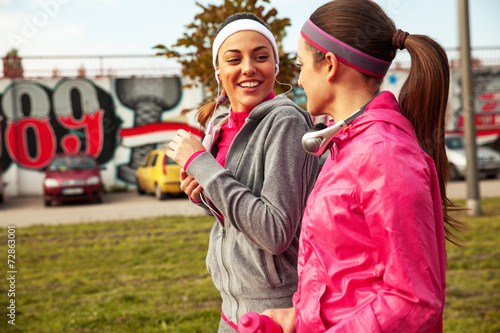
{"x": 242, "y": 25}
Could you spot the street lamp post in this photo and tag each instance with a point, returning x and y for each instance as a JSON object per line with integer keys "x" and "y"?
{"x": 473, "y": 199}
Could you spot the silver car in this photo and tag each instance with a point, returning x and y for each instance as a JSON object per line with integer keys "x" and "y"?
{"x": 488, "y": 160}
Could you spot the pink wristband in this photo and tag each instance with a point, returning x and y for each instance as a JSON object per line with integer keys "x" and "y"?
{"x": 195, "y": 155}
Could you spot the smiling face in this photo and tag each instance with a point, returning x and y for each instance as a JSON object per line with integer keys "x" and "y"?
{"x": 247, "y": 69}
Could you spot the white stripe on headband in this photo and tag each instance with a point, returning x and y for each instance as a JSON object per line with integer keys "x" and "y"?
{"x": 345, "y": 54}
{"x": 242, "y": 25}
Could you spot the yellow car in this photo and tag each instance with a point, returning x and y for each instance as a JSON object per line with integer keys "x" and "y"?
{"x": 158, "y": 174}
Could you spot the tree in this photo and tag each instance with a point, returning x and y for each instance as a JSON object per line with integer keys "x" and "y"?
{"x": 12, "y": 65}
{"x": 197, "y": 61}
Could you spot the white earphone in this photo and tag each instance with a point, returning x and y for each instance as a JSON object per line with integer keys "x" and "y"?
{"x": 217, "y": 76}
{"x": 277, "y": 70}
{"x": 317, "y": 138}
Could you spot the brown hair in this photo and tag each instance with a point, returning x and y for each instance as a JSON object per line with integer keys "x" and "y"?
{"x": 423, "y": 98}
{"x": 205, "y": 112}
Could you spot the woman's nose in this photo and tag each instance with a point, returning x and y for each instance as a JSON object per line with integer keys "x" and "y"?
{"x": 248, "y": 67}
{"x": 299, "y": 82}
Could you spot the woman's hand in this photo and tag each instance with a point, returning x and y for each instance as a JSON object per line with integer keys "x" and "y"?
{"x": 182, "y": 146}
{"x": 190, "y": 186}
{"x": 284, "y": 317}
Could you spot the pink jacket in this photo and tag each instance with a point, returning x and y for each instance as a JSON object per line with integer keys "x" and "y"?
{"x": 372, "y": 251}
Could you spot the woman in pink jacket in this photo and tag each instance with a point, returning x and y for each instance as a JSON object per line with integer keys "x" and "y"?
{"x": 372, "y": 247}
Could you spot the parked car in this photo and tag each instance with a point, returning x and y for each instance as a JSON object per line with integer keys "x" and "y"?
{"x": 2, "y": 186}
{"x": 488, "y": 160}
{"x": 72, "y": 177}
{"x": 158, "y": 174}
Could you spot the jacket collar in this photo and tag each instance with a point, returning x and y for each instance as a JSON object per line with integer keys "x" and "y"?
{"x": 384, "y": 108}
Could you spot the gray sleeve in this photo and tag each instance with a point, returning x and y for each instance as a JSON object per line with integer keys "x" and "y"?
{"x": 271, "y": 219}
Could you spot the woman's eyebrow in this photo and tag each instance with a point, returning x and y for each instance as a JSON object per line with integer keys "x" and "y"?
{"x": 258, "y": 48}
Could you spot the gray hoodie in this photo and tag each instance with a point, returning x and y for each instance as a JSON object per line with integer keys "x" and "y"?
{"x": 262, "y": 193}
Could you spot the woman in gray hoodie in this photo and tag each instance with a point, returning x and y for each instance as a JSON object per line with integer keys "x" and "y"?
{"x": 251, "y": 173}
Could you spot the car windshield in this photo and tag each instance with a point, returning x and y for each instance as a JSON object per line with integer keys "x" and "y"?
{"x": 65, "y": 163}
{"x": 454, "y": 142}
{"x": 168, "y": 160}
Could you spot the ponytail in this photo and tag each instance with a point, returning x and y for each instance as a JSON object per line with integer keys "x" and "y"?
{"x": 206, "y": 111}
{"x": 423, "y": 100}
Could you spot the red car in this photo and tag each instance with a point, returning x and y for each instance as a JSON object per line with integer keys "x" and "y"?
{"x": 72, "y": 177}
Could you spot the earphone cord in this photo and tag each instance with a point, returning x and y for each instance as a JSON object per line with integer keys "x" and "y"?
{"x": 285, "y": 84}
{"x": 218, "y": 94}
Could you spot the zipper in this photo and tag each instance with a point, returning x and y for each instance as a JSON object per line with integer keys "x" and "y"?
{"x": 220, "y": 236}
{"x": 214, "y": 133}
{"x": 229, "y": 283}
{"x": 221, "y": 233}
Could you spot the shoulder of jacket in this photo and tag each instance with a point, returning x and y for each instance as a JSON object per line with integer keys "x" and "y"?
{"x": 282, "y": 107}
{"x": 216, "y": 119}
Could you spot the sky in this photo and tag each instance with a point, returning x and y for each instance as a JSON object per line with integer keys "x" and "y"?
{"x": 126, "y": 27}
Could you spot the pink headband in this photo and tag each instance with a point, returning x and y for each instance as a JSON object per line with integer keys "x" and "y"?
{"x": 346, "y": 54}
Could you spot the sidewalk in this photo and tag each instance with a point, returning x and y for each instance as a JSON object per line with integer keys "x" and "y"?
{"x": 24, "y": 211}
{"x": 488, "y": 188}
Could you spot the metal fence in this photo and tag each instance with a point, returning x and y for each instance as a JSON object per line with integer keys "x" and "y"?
{"x": 149, "y": 65}
{"x": 90, "y": 66}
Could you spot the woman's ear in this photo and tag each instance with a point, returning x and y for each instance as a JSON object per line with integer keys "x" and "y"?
{"x": 333, "y": 65}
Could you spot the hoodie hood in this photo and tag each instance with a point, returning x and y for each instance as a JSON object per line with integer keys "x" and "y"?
{"x": 273, "y": 105}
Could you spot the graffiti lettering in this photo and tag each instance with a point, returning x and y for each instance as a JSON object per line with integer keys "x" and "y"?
{"x": 93, "y": 129}
{"x": 38, "y": 123}
{"x": 490, "y": 106}
{"x": 78, "y": 99}
{"x": 17, "y": 142}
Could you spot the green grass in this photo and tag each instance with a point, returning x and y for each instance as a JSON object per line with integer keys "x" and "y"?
{"x": 134, "y": 276}
{"x": 150, "y": 276}
{"x": 473, "y": 275}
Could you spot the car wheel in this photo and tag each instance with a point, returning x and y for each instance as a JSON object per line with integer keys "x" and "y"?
{"x": 139, "y": 189}
{"x": 47, "y": 203}
{"x": 1, "y": 197}
{"x": 158, "y": 193}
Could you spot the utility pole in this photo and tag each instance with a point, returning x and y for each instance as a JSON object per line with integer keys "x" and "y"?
{"x": 473, "y": 199}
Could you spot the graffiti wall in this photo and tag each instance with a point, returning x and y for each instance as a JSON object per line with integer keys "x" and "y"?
{"x": 117, "y": 120}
